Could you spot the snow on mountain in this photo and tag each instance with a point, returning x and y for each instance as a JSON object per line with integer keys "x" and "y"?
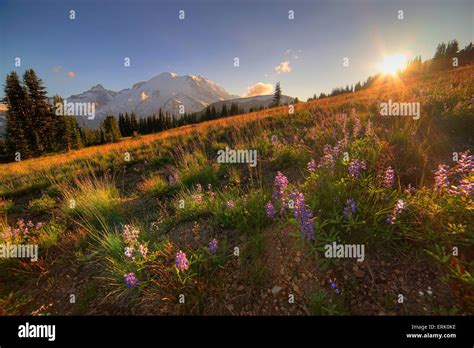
{"x": 167, "y": 91}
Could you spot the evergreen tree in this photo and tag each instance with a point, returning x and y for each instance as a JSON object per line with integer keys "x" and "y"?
{"x": 17, "y": 115}
{"x": 277, "y": 95}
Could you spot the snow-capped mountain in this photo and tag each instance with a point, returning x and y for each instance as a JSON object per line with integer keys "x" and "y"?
{"x": 167, "y": 91}
{"x": 97, "y": 94}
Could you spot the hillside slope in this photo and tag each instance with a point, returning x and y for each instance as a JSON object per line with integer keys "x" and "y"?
{"x": 131, "y": 227}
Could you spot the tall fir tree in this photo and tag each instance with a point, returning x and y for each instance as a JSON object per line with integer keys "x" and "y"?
{"x": 277, "y": 95}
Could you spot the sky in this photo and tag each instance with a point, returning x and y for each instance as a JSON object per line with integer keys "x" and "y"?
{"x": 304, "y": 54}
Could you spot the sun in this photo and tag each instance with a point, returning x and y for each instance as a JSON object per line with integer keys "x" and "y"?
{"x": 392, "y": 64}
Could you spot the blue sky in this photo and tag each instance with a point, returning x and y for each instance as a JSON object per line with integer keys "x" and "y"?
{"x": 73, "y": 55}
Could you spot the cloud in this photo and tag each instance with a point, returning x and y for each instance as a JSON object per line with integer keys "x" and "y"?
{"x": 288, "y": 51}
{"x": 283, "y": 67}
{"x": 71, "y": 74}
{"x": 56, "y": 69}
{"x": 259, "y": 88}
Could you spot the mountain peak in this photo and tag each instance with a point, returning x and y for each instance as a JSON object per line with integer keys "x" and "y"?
{"x": 168, "y": 74}
{"x": 98, "y": 86}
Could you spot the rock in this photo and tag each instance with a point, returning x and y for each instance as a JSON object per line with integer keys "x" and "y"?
{"x": 276, "y": 289}
{"x": 297, "y": 259}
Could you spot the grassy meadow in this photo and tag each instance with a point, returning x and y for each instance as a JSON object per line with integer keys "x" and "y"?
{"x": 156, "y": 226}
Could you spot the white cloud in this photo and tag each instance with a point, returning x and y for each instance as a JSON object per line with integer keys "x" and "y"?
{"x": 259, "y": 88}
{"x": 288, "y": 51}
{"x": 283, "y": 67}
{"x": 56, "y": 69}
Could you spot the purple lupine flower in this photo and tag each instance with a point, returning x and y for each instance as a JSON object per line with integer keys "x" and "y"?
{"x": 389, "y": 178}
{"x": 143, "y": 250}
{"x": 130, "y": 252}
{"x": 311, "y": 166}
{"x": 357, "y": 127}
{"x": 230, "y": 205}
{"x": 327, "y": 161}
{"x": 281, "y": 184}
{"x": 131, "y": 280}
{"x": 350, "y": 208}
{"x": 30, "y": 224}
{"x": 354, "y": 168}
{"x": 369, "y": 131}
{"x": 270, "y": 209}
{"x": 465, "y": 188}
{"x": 397, "y": 209}
{"x": 181, "y": 261}
{"x": 303, "y": 215}
{"x": 441, "y": 177}
{"x": 173, "y": 179}
{"x": 38, "y": 225}
{"x": 465, "y": 165}
{"x": 130, "y": 234}
{"x": 341, "y": 144}
{"x": 213, "y": 244}
{"x": 333, "y": 286}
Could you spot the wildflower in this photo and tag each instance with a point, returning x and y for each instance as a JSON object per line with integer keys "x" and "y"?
{"x": 441, "y": 177}
{"x": 274, "y": 140}
{"x": 130, "y": 252}
{"x": 197, "y": 198}
{"x": 465, "y": 187}
{"x": 429, "y": 291}
{"x": 181, "y": 261}
{"x": 213, "y": 244}
{"x": 389, "y": 178}
{"x": 131, "y": 280}
{"x": 173, "y": 179}
{"x": 465, "y": 165}
{"x": 230, "y": 205}
{"x": 311, "y": 166}
{"x": 327, "y": 160}
{"x": 143, "y": 250}
{"x": 270, "y": 209}
{"x": 333, "y": 286}
{"x": 199, "y": 188}
{"x": 38, "y": 225}
{"x": 355, "y": 167}
{"x": 357, "y": 127}
{"x": 409, "y": 189}
{"x": 421, "y": 293}
{"x": 369, "y": 131}
{"x": 350, "y": 208}
{"x": 303, "y": 215}
{"x": 281, "y": 184}
{"x": 130, "y": 234}
{"x": 21, "y": 223}
{"x": 30, "y": 224}
{"x": 397, "y": 209}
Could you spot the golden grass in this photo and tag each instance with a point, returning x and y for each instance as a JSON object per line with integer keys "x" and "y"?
{"x": 34, "y": 165}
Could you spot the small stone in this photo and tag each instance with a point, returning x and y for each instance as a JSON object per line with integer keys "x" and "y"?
{"x": 297, "y": 259}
